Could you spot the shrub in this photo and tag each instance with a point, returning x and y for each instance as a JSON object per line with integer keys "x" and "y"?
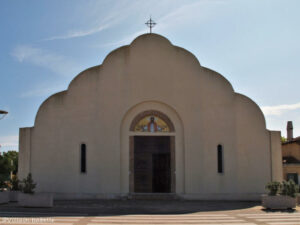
{"x": 273, "y": 187}
{"x": 289, "y": 188}
{"x": 28, "y": 185}
{"x": 14, "y": 183}
{"x": 2, "y": 183}
{"x": 8, "y": 164}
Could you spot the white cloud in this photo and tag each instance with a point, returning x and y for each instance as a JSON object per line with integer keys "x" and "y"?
{"x": 279, "y": 109}
{"x": 9, "y": 143}
{"x": 119, "y": 12}
{"x": 122, "y": 10}
{"x": 79, "y": 33}
{"x": 195, "y": 12}
{"x": 43, "y": 58}
{"x": 124, "y": 41}
{"x": 183, "y": 14}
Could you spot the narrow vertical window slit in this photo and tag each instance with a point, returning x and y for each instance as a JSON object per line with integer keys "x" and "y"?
{"x": 83, "y": 158}
{"x": 220, "y": 158}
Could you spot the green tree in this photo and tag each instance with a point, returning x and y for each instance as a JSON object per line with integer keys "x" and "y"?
{"x": 283, "y": 139}
{"x": 8, "y": 164}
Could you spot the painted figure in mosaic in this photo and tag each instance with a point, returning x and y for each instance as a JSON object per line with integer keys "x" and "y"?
{"x": 152, "y": 125}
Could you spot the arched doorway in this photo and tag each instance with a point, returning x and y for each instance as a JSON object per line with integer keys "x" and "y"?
{"x": 152, "y": 153}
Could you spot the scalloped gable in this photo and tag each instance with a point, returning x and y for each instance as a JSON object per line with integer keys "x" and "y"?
{"x": 148, "y": 43}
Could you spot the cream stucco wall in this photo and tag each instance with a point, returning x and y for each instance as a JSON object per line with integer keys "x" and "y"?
{"x": 291, "y": 168}
{"x": 291, "y": 149}
{"x": 150, "y": 74}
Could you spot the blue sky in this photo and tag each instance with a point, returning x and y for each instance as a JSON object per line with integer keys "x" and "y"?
{"x": 45, "y": 44}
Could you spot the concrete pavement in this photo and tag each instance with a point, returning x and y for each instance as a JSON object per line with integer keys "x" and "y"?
{"x": 96, "y": 212}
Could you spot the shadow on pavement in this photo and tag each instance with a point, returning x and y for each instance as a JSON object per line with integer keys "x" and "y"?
{"x": 124, "y": 207}
{"x": 279, "y": 210}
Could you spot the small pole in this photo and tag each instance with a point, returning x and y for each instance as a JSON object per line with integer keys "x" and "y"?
{"x": 3, "y": 114}
{"x": 11, "y": 172}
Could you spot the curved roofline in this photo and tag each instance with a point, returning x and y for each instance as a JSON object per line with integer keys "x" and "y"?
{"x": 113, "y": 52}
{"x": 257, "y": 106}
{"x": 127, "y": 47}
{"x": 152, "y": 34}
{"x": 221, "y": 76}
{"x": 81, "y": 73}
{"x": 62, "y": 93}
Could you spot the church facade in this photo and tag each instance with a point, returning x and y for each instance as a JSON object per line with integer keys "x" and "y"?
{"x": 150, "y": 120}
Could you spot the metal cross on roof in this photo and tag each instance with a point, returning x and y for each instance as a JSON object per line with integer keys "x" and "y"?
{"x": 150, "y": 23}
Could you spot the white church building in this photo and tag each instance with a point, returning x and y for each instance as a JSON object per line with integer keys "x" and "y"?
{"x": 150, "y": 120}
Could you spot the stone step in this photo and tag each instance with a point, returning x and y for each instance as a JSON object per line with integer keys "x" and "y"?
{"x": 153, "y": 196}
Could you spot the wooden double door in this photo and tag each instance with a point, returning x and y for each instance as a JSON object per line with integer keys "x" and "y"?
{"x": 152, "y": 164}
